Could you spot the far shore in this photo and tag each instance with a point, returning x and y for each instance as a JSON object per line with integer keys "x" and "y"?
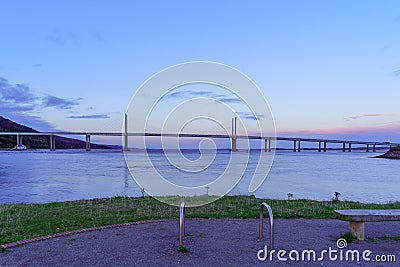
{"x": 390, "y": 155}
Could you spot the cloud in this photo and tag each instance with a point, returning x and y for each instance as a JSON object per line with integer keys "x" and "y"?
{"x": 97, "y": 36}
{"x": 19, "y": 97}
{"x": 251, "y": 116}
{"x": 61, "y": 37}
{"x": 95, "y": 116}
{"x": 18, "y": 102}
{"x": 6, "y": 106}
{"x": 189, "y": 94}
{"x": 65, "y": 37}
{"x": 230, "y": 100}
{"x": 18, "y": 93}
{"x": 365, "y": 115}
{"x": 59, "y": 103}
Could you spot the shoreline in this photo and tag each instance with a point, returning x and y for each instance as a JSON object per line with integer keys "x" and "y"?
{"x": 390, "y": 155}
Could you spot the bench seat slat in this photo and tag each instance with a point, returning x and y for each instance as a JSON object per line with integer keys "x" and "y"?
{"x": 368, "y": 215}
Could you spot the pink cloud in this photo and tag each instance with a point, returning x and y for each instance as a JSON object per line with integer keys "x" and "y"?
{"x": 365, "y": 115}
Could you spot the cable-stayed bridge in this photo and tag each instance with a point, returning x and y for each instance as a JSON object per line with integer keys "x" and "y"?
{"x": 297, "y": 141}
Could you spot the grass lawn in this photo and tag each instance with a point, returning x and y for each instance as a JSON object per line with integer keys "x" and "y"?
{"x": 23, "y": 221}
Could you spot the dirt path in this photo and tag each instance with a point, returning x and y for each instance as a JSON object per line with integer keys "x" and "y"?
{"x": 211, "y": 242}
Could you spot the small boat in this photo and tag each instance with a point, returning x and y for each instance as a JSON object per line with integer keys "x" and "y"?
{"x": 20, "y": 147}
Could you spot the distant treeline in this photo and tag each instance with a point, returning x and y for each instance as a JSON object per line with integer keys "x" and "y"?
{"x": 395, "y": 148}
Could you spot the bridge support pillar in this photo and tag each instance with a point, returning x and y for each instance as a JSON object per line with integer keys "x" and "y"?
{"x": 294, "y": 146}
{"x": 319, "y": 146}
{"x": 374, "y": 148}
{"x": 52, "y": 142}
{"x": 125, "y": 146}
{"x": 344, "y": 147}
{"x": 267, "y": 145}
{"x": 87, "y": 142}
{"x": 234, "y": 144}
{"x": 349, "y": 147}
{"x": 19, "y": 139}
{"x": 325, "y": 146}
{"x": 367, "y": 148}
{"x": 298, "y": 147}
{"x": 234, "y": 135}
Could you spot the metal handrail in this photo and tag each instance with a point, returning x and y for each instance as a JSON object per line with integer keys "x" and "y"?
{"x": 181, "y": 223}
{"x": 271, "y": 223}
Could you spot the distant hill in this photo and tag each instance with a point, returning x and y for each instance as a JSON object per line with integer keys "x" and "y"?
{"x": 39, "y": 142}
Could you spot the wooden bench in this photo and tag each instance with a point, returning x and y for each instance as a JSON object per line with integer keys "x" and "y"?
{"x": 357, "y": 218}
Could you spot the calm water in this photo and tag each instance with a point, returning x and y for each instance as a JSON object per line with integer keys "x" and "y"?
{"x": 43, "y": 176}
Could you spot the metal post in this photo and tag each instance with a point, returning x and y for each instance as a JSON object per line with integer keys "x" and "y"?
{"x": 181, "y": 223}
{"x": 271, "y": 223}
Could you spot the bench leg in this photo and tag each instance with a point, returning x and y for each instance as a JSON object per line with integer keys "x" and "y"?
{"x": 357, "y": 230}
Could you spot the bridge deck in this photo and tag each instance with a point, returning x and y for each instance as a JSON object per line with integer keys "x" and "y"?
{"x": 189, "y": 135}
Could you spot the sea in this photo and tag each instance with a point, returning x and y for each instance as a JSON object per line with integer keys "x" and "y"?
{"x": 41, "y": 176}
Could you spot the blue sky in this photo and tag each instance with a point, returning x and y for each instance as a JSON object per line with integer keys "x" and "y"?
{"x": 327, "y": 68}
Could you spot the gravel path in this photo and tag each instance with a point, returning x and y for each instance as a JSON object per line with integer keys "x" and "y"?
{"x": 211, "y": 242}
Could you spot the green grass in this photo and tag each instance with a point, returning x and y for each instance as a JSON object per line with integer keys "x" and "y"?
{"x": 395, "y": 238}
{"x": 348, "y": 237}
{"x": 183, "y": 249}
{"x": 395, "y": 148}
{"x": 23, "y": 221}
